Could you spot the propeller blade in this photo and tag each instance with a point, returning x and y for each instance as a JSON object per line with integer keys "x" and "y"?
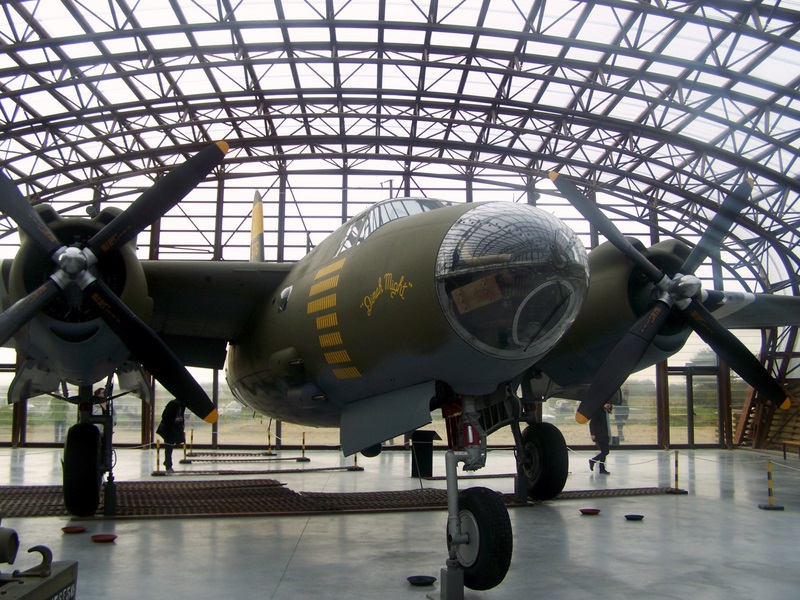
{"x": 151, "y": 351}
{"x": 735, "y": 353}
{"x": 158, "y": 199}
{"x": 596, "y": 217}
{"x": 719, "y": 226}
{"x": 622, "y": 361}
{"x": 14, "y": 205}
{"x": 24, "y": 309}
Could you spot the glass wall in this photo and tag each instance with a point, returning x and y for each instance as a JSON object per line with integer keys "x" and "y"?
{"x": 693, "y": 408}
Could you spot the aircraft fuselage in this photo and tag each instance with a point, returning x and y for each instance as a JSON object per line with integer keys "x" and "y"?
{"x": 467, "y": 295}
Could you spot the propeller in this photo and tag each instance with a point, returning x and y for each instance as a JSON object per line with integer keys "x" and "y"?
{"x": 680, "y": 293}
{"x": 74, "y": 269}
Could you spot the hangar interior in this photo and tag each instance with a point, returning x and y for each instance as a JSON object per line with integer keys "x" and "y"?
{"x": 655, "y": 109}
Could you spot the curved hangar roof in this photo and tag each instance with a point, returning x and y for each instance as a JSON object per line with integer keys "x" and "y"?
{"x": 658, "y": 108}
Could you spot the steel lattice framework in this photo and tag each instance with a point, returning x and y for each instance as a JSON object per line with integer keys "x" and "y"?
{"x": 658, "y": 108}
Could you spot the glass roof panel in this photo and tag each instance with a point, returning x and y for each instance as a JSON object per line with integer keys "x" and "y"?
{"x": 674, "y": 110}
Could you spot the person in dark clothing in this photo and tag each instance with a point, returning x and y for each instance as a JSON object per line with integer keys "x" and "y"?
{"x": 171, "y": 429}
{"x": 600, "y": 428}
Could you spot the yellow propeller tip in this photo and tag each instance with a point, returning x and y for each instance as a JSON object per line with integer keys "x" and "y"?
{"x": 787, "y": 404}
{"x": 581, "y": 419}
{"x": 211, "y": 417}
{"x": 223, "y": 146}
{"x": 553, "y": 175}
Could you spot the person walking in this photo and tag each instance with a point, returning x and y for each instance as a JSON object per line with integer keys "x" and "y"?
{"x": 171, "y": 429}
{"x": 600, "y": 428}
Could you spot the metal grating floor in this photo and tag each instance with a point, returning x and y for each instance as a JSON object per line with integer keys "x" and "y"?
{"x": 247, "y": 497}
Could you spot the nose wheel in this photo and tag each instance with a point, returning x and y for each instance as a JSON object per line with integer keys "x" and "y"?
{"x": 486, "y": 555}
{"x": 479, "y": 536}
{"x": 82, "y": 470}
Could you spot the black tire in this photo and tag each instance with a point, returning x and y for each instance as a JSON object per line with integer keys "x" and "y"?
{"x": 82, "y": 475}
{"x": 547, "y": 460}
{"x": 486, "y": 557}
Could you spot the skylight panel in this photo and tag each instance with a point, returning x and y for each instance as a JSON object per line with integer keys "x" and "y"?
{"x": 664, "y": 68}
{"x": 585, "y": 54}
{"x": 603, "y": 25}
{"x": 497, "y": 42}
{"x": 116, "y": 91}
{"x": 122, "y": 45}
{"x": 458, "y": 12}
{"x": 80, "y": 49}
{"x": 451, "y": 40}
{"x": 405, "y": 36}
{"x": 148, "y": 13}
{"x": 54, "y": 17}
{"x": 309, "y": 34}
{"x": 357, "y": 34}
{"x": 629, "y": 108}
{"x": 261, "y": 35}
{"x": 399, "y": 13}
{"x": 689, "y": 44}
{"x": 781, "y": 68}
{"x": 215, "y": 38}
{"x": 302, "y": 10}
{"x": 43, "y": 102}
{"x": 505, "y": 15}
{"x": 168, "y": 40}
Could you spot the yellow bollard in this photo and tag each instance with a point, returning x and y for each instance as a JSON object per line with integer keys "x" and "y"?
{"x": 771, "y": 505}
{"x": 676, "y": 470}
{"x": 303, "y": 450}
{"x": 676, "y": 489}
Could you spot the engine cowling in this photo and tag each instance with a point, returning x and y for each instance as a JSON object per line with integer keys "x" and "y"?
{"x": 68, "y": 327}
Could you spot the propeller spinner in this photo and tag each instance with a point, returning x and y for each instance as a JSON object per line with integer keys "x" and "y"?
{"x": 680, "y": 293}
{"x": 73, "y": 270}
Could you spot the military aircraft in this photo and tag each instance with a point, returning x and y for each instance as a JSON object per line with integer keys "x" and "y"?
{"x": 479, "y": 310}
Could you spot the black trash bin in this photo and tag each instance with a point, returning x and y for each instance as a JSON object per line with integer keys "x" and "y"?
{"x": 422, "y": 453}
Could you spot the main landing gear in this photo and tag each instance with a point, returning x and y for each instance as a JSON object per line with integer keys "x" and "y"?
{"x": 479, "y": 536}
{"x": 88, "y": 454}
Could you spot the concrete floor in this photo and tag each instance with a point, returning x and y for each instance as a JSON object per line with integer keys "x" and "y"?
{"x": 714, "y": 542}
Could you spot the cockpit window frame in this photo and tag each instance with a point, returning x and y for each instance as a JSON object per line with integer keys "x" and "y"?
{"x": 384, "y": 212}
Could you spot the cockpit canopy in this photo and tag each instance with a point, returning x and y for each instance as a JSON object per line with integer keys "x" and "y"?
{"x": 381, "y": 213}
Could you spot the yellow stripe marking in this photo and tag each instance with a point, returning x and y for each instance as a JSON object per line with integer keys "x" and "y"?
{"x": 324, "y": 303}
{"x": 327, "y": 321}
{"x": 337, "y": 358}
{"x": 330, "y": 339}
{"x": 346, "y": 373}
{"x": 331, "y": 268}
{"x": 324, "y": 286}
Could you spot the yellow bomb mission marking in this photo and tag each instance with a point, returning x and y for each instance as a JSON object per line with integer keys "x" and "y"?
{"x": 387, "y": 283}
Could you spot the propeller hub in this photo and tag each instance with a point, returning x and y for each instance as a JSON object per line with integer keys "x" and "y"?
{"x": 73, "y": 262}
{"x": 684, "y": 286}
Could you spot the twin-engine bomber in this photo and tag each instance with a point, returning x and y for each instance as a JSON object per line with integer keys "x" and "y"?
{"x": 479, "y": 310}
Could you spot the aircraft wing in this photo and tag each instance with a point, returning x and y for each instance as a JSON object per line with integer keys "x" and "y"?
{"x": 199, "y": 306}
{"x": 737, "y": 310}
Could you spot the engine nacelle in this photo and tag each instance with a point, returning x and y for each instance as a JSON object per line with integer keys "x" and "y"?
{"x": 618, "y": 296}
{"x": 68, "y": 328}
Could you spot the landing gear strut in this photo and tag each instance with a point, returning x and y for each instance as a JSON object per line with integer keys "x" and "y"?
{"x": 479, "y": 537}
